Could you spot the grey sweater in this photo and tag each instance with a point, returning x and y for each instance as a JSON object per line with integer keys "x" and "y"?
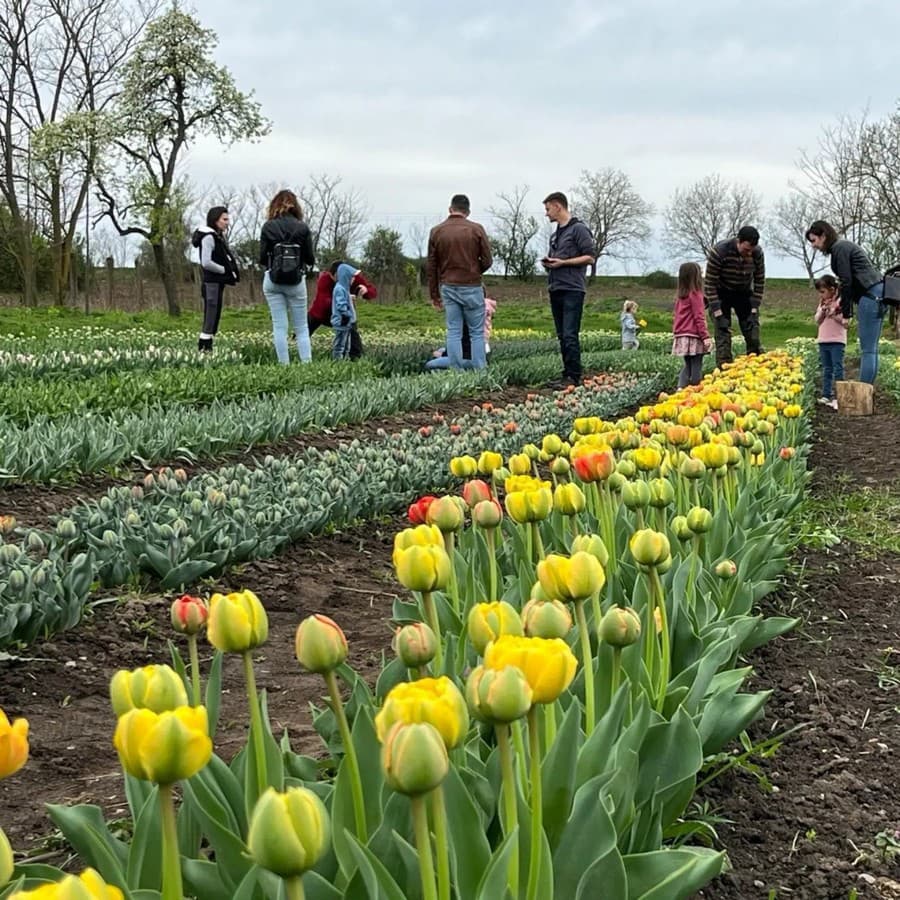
{"x": 855, "y": 271}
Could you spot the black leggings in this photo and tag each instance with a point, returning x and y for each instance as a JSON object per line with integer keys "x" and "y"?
{"x": 692, "y": 371}
{"x": 356, "y": 344}
{"x": 212, "y": 293}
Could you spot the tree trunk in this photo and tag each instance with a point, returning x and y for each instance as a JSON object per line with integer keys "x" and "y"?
{"x": 167, "y": 276}
{"x": 25, "y": 259}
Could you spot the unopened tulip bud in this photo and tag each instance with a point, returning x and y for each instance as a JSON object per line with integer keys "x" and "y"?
{"x": 6, "y": 860}
{"x": 699, "y": 519}
{"x": 476, "y": 491}
{"x": 8, "y": 525}
{"x": 636, "y": 495}
{"x": 499, "y": 476}
{"x": 757, "y": 447}
{"x": 414, "y": 758}
{"x": 560, "y": 467}
{"x": 786, "y": 453}
{"x": 13, "y": 745}
{"x": 445, "y": 514}
{"x": 418, "y": 511}
{"x": 237, "y": 622}
{"x": 626, "y": 467}
{"x": 289, "y": 832}
{"x": 726, "y": 569}
{"x": 569, "y": 499}
{"x": 681, "y": 529}
{"x": 415, "y": 644}
{"x": 649, "y": 548}
{"x": 189, "y": 614}
{"x": 320, "y": 644}
{"x": 488, "y": 461}
{"x": 422, "y": 568}
{"x": 546, "y": 618}
{"x": 593, "y": 544}
{"x": 551, "y": 444}
{"x": 532, "y": 451}
{"x": 616, "y": 482}
{"x": 620, "y": 627}
{"x": 498, "y": 695}
{"x": 662, "y": 493}
{"x": 66, "y": 529}
{"x": 487, "y": 621}
{"x": 519, "y": 464}
{"x": 463, "y": 466}
{"x": 487, "y": 514}
{"x": 157, "y": 688}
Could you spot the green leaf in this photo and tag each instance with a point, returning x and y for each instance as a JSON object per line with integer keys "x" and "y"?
{"x": 214, "y": 692}
{"x": 470, "y": 850}
{"x": 379, "y": 882}
{"x": 494, "y": 883}
{"x": 558, "y": 775}
{"x": 145, "y": 853}
{"x": 85, "y": 829}
{"x": 671, "y": 874}
{"x": 317, "y": 888}
{"x": 203, "y": 879}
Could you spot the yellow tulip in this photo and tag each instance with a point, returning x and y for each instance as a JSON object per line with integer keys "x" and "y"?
{"x": 522, "y": 483}
{"x": 436, "y": 701}
{"x": 414, "y": 758}
{"x": 423, "y": 569}
{"x": 571, "y": 579}
{"x": 699, "y": 519}
{"x": 163, "y": 747}
{"x": 446, "y": 514}
{"x": 237, "y": 622}
{"x": 156, "y": 688}
{"x": 529, "y": 506}
{"x": 546, "y": 618}
{"x": 463, "y": 466}
{"x": 548, "y": 664}
{"x": 420, "y": 536}
{"x": 647, "y": 459}
{"x": 487, "y": 621}
{"x": 488, "y": 461}
{"x": 13, "y": 745}
{"x": 569, "y": 499}
{"x": 520, "y": 464}
{"x": 551, "y": 444}
{"x": 648, "y": 547}
{"x": 289, "y": 832}
{"x": 86, "y": 886}
{"x": 593, "y": 544}
{"x": 6, "y": 860}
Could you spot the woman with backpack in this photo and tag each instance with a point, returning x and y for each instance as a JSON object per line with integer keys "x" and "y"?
{"x": 862, "y": 285}
{"x": 285, "y": 251}
{"x": 218, "y": 267}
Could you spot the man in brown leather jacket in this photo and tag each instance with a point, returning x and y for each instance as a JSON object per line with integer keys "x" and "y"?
{"x": 458, "y": 255}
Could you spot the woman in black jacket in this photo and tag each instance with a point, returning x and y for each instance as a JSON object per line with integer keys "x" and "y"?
{"x": 286, "y": 251}
{"x": 862, "y": 285}
{"x": 219, "y": 269}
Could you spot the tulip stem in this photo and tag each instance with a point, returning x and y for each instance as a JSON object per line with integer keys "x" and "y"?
{"x": 423, "y": 845}
{"x": 549, "y": 726}
{"x": 510, "y": 816}
{"x": 350, "y": 759}
{"x": 538, "y": 543}
{"x": 616, "y": 673}
{"x": 490, "y": 534}
{"x": 519, "y": 743}
{"x": 450, "y": 548}
{"x": 441, "y": 842}
{"x": 195, "y": 669}
{"x": 587, "y": 662}
{"x": 537, "y": 816}
{"x": 171, "y": 862}
{"x": 293, "y": 888}
{"x": 256, "y": 726}
{"x": 431, "y": 617}
{"x": 665, "y": 657}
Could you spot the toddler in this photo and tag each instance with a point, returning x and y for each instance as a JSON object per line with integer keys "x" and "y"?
{"x": 832, "y": 336}
{"x": 629, "y": 325}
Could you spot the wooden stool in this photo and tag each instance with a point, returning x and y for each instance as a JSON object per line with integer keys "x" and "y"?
{"x": 855, "y": 398}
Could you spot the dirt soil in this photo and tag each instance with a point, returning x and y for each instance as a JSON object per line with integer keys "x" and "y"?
{"x": 834, "y": 783}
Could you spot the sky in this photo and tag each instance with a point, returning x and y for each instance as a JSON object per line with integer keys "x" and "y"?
{"x": 410, "y": 102}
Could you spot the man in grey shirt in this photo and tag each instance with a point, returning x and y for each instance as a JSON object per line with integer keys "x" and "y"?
{"x": 572, "y": 250}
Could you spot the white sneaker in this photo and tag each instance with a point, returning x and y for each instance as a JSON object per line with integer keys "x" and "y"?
{"x": 833, "y": 403}
{"x": 824, "y": 401}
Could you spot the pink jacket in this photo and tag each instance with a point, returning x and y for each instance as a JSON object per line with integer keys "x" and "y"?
{"x": 690, "y": 316}
{"x": 831, "y": 322}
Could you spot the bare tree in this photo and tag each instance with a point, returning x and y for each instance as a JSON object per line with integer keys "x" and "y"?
{"x": 417, "y": 235}
{"x": 512, "y": 233}
{"x": 336, "y": 217}
{"x": 709, "y": 211}
{"x": 879, "y": 164}
{"x": 60, "y": 67}
{"x": 786, "y": 229}
{"x": 619, "y": 218}
{"x": 173, "y": 92}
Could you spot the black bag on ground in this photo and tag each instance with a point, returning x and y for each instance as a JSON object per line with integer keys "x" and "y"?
{"x": 287, "y": 264}
{"x": 892, "y": 286}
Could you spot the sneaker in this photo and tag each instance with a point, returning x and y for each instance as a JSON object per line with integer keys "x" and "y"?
{"x": 825, "y": 401}
{"x": 558, "y": 383}
{"x": 833, "y": 403}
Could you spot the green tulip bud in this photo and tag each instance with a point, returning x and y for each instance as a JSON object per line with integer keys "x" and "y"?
{"x": 620, "y": 627}
{"x": 414, "y": 758}
{"x": 498, "y": 695}
{"x": 699, "y": 519}
{"x": 289, "y": 832}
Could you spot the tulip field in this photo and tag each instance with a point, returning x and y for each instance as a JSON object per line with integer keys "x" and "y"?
{"x": 354, "y": 631}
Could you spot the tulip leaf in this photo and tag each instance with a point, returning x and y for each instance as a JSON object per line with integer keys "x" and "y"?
{"x": 188, "y": 572}
{"x": 315, "y": 887}
{"x": 727, "y": 715}
{"x": 203, "y": 879}
{"x": 671, "y": 874}
{"x": 766, "y": 630}
{"x": 379, "y": 883}
{"x": 214, "y": 692}
{"x": 85, "y": 829}
{"x": 494, "y": 882}
{"x": 558, "y": 775}
{"x": 145, "y": 853}
{"x": 136, "y": 792}
{"x": 471, "y": 851}
{"x": 391, "y": 675}
{"x": 248, "y": 889}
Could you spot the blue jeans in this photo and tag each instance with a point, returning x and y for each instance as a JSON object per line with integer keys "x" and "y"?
{"x": 870, "y": 318}
{"x": 340, "y": 345}
{"x": 281, "y": 298}
{"x": 464, "y": 303}
{"x": 567, "y": 307}
{"x": 831, "y": 358}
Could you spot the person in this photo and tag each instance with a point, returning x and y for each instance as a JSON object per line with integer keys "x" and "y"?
{"x": 320, "y": 310}
{"x": 690, "y": 335}
{"x": 572, "y": 250}
{"x": 343, "y": 311}
{"x": 285, "y": 251}
{"x": 440, "y": 358}
{"x": 735, "y": 283}
{"x": 459, "y": 253}
{"x": 832, "y": 336}
{"x": 629, "y": 325}
{"x": 862, "y": 286}
{"x": 218, "y": 267}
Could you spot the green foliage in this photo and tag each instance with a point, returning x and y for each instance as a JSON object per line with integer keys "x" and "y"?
{"x": 383, "y": 255}
{"x": 659, "y": 278}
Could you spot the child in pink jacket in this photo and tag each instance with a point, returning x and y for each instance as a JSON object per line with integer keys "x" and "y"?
{"x": 690, "y": 333}
{"x": 832, "y": 336}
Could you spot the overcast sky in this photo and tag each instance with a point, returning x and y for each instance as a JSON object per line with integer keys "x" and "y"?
{"x": 410, "y": 102}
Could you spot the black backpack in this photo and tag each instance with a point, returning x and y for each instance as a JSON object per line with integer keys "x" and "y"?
{"x": 892, "y": 287}
{"x": 286, "y": 265}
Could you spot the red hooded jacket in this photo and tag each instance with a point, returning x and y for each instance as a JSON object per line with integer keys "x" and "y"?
{"x": 320, "y": 311}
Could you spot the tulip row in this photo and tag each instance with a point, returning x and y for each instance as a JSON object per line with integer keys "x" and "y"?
{"x": 578, "y": 775}
{"x": 177, "y": 530}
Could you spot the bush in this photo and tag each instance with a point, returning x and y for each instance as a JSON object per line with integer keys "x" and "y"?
{"x": 659, "y": 279}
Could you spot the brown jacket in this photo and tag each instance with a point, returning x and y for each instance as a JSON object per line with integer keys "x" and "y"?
{"x": 458, "y": 253}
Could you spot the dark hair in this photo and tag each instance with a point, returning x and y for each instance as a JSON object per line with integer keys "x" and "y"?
{"x": 460, "y": 202}
{"x": 557, "y": 197}
{"x": 821, "y": 228}
{"x": 827, "y": 283}
{"x": 748, "y": 235}
{"x": 214, "y": 215}
{"x": 690, "y": 279}
{"x": 285, "y": 203}
{"x": 334, "y": 266}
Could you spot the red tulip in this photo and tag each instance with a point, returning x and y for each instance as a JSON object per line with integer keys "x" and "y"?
{"x": 189, "y": 614}
{"x": 418, "y": 512}
{"x": 475, "y": 491}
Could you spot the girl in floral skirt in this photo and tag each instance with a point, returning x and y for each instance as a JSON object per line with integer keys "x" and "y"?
{"x": 691, "y": 335}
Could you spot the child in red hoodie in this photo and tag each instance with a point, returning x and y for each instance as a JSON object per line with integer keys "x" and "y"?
{"x": 691, "y": 335}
